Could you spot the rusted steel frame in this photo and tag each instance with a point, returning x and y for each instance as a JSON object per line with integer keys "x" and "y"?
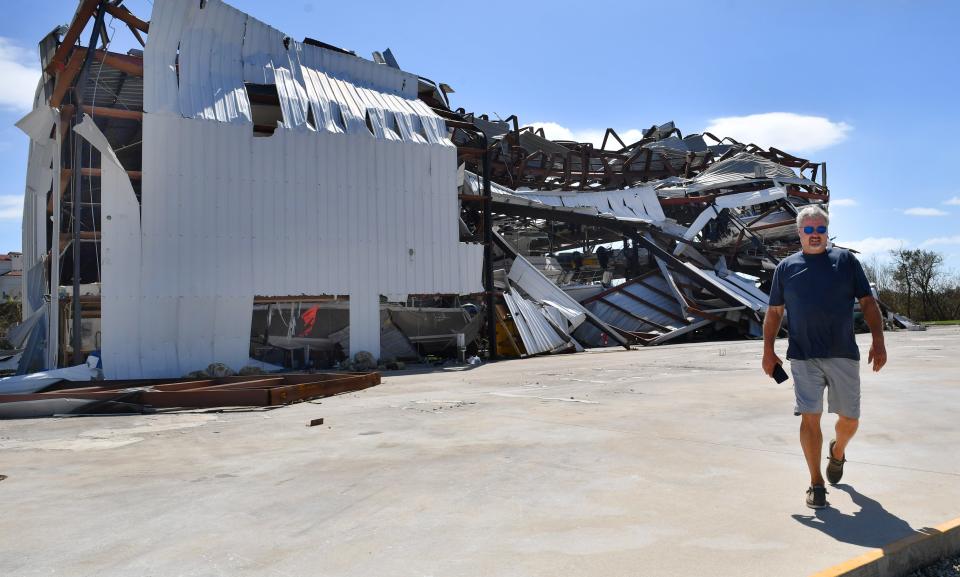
{"x": 65, "y": 78}
{"x": 677, "y": 265}
{"x": 599, "y": 175}
{"x": 162, "y": 385}
{"x": 810, "y": 195}
{"x": 617, "y": 288}
{"x": 663, "y": 293}
{"x": 709, "y": 316}
{"x": 646, "y": 165}
{"x": 205, "y": 399}
{"x": 585, "y": 168}
{"x": 87, "y": 171}
{"x": 771, "y": 225}
{"x": 549, "y": 170}
{"x": 526, "y": 160}
{"x": 64, "y": 394}
{"x": 132, "y": 65}
{"x": 124, "y": 15}
{"x": 604, "y": 301}
{"x": 567, "y": 169}
{"x": 657, "y": 308}
{"x": 642, "y": 338}
{"x": 264, "y": 383}
{"x": 118, "y": 113}
{"x": 80, "y": 18}
{"x": 225, "y": 394}
{"x": 326, "y": 388}
{"x": 611, "y": 132}
{"x": 765, "y": 214}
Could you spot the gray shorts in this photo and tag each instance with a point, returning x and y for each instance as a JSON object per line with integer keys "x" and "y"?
{"x": 840, "y": 376}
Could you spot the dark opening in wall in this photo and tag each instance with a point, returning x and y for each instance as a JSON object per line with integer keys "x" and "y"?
{"x": 265, "y": 108}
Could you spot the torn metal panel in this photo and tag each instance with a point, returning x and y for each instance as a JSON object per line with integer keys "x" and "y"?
{"x": 540, "y": 289}
{"x": 120, "y": 241}
{"x": 744, "y": 168}
{"x": 537, "y": 333}
{"x": 729, "y": 201}
{"x": 211, "y": 80}
{"x": 38, "y": 125}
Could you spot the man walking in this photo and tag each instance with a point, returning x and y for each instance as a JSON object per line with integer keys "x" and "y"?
{"x": 817, "y": 287}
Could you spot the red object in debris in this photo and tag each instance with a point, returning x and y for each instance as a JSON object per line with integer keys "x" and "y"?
{"x": 308, "y": 318}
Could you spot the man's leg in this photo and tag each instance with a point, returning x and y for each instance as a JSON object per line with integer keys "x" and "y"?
{"x": 811, "y": 439}
{"x": 846, "y": 429}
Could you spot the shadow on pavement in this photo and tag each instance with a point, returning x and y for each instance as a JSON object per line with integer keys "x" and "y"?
{"x": 871, "y": 526}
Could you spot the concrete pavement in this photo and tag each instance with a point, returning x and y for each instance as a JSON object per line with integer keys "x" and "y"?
{"x": 676, "y": 460}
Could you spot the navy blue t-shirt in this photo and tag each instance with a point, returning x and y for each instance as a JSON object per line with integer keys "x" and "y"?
{"x": 819, "y": 291}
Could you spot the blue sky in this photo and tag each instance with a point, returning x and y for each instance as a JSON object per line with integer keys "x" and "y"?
{"x": 869, "y": 87}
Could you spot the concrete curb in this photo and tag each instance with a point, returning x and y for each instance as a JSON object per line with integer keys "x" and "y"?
{"x": 902, "y": 557}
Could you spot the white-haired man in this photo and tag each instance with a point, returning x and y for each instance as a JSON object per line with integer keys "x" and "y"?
{"x": 817, "y": 287}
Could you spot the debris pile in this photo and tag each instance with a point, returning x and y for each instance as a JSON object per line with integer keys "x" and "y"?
{"x": 101, "y": 397}
{"x": 193, "y": 199}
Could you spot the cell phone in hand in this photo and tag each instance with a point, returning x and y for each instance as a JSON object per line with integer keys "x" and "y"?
{"x": 779, "y": 374}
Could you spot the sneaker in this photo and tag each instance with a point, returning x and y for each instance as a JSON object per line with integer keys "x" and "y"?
{"x": 835, "y": 466}
{"x": 817, "y": 497}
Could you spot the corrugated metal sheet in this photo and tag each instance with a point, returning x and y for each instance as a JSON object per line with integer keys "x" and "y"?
{"x": 211, "y": 70}
{"x": 536, "y": 332}
{"x": 656, "y": 300}
{"x": 38, "y": 125}
{"x": 632, "y": 203}
{"x": 226, "y": 215}
{"x": 541, "y": 289}
{"x": 743, "y": 168}
{"x": 221, "y": 48}
{"x": 743, "y": 288}
{"x": 119, "y": 296}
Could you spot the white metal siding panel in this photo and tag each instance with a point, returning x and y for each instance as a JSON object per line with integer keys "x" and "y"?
{"x": 227, "y": 215}
{"x": 211, "y": 84}
{"x": 160, "y": 86}
{"x": 120, "y": 245}
{"x": 317, "y": 213}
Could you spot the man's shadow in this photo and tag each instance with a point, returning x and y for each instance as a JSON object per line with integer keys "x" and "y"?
{"x": 871, "y": 526}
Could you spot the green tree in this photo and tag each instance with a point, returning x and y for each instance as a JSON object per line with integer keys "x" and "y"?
{"x": 917, "y": 274}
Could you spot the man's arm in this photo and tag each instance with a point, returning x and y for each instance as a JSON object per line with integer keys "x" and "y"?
{"x": 871, "y": 314}
{"x": 771, "y": 326}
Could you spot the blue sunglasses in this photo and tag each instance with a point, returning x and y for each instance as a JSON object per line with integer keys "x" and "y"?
{"x": 820, "y": 229}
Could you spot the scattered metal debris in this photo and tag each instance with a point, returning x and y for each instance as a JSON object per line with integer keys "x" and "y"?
{"x": 236, "y": 391}
{"x": 427, "y": 229}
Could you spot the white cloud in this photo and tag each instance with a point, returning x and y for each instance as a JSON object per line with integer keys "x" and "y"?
{"x": 20, "y": 70}
{"x": 11, "y": 207}
{"x": 871, "y": 245}
{"x": 955, "y": 201}
{"x": 941, "y": 240}
{"x": 555, "y": 131}
{"x": 843, "y": 202}
{"x": 784, "y": 130}
{"x": 924, "y": 211}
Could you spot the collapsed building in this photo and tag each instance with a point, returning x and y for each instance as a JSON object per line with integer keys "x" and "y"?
{"x": 227, "y": 191}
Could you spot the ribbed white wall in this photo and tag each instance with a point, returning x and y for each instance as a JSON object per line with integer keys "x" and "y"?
{"x": 329, "y": 209}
